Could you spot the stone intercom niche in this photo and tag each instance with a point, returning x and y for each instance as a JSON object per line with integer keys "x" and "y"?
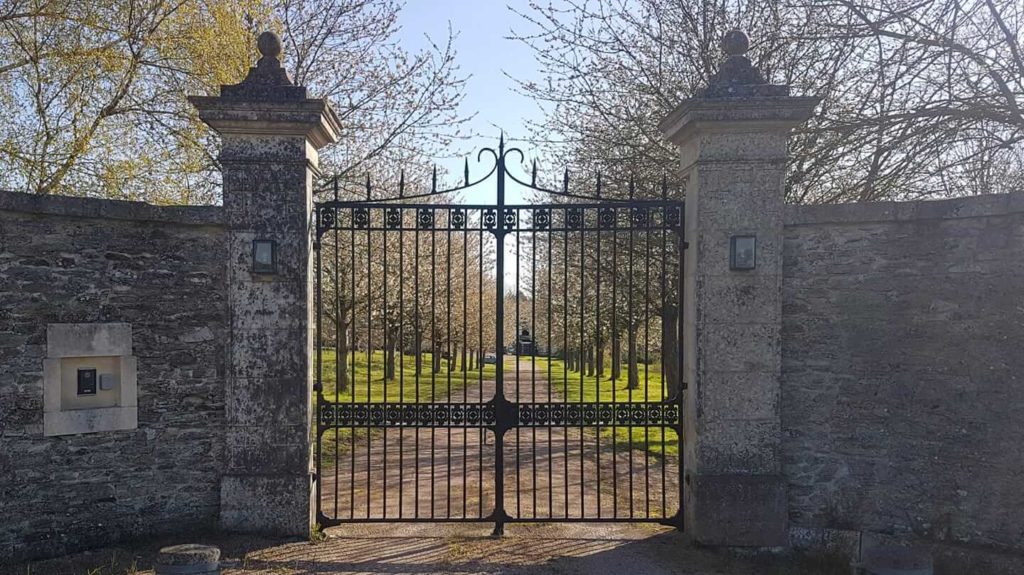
{"x": 89, "y": 379}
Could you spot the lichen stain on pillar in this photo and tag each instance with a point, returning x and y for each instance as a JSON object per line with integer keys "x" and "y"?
{"x": 270, "y": 133}
{"x": 732, "y": 137}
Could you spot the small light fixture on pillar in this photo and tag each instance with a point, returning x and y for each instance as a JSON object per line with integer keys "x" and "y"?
{"x": 264, "y": 257}
{"x": 742, "y": 253}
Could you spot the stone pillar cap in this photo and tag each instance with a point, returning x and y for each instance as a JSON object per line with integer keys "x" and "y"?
{"x": 266, "y": 102}
{"x": 737, "y": 115}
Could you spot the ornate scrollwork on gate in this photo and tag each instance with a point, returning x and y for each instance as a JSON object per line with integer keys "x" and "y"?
{"x": 606, "y": 218}
{"x": 360, "y": 218}
{"x": 652, "y": 414}
{"x": 541, "y": 218}
{"x": 328, "y": 217}
{"x": 393, "y": 218}
{"x": 425, "y": 218}
{"x": 458, "y": 219}
{"x": 337, "y": 415}
{"x": 574, "y": 218}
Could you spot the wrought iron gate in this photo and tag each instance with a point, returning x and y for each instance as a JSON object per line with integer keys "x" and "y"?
{"x": 498, "y": 363}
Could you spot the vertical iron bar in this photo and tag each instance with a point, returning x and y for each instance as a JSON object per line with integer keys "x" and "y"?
{"x": 319, "y": 386}
{"x": 340, "y": 358}
{"x": 499, "y": 371}
{"x": 434, "y": 360}
{"x": 616, "y": 363}
{"x": 598, "y": 357}
{"x": 647, "y": 360}
{"x": 352, "y": 387}
{"x": 550, "y": 343}
{"x": 465, "y": 349}
{"x": 565, "y": 362}
{"x": 518, "y": 397}
{"x": 451, "y": 356}
{"x": 631, "y": 345}
{"x": 480, "y": 364}
{"x": 369, "y": 349}
{"x": 385, "y": 328}
{"x": 533, "y": 358}
{"x": 401, "y": 352}
{"x": 583, "y": 354}
{"x": 418, "y": 335}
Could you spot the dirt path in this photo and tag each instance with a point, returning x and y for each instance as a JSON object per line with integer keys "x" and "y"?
{"x": 449, "y": 473}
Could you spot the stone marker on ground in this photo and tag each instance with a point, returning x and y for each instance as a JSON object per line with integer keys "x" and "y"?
{"x": 188, "y": 559}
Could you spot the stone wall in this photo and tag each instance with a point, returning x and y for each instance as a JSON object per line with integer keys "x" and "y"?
{"x": 162, "y": 270}
{"x": 903, "y": 375}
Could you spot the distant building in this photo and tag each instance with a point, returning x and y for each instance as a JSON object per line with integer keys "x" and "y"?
{"x": 525, "y": 344}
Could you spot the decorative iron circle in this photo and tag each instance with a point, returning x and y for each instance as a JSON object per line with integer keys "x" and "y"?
{"x": 541, "y": 218}
{"x": 377, "y": 415}
{"x": 490, "y": 219}
{"x": 425, "y": 218}
{"x": 360, "y": 218}
{"x": 574, "y": 218}
{"x": 525, "y": 415}
{"x": 458, "y": 218}
{"x": 673, "y": 217}
{"x": 606, "y": 217}
{"x": 509, "y": 219}
{"x": 393, "y": 218}
{"x": 328, "y": 217}
{"x": 541, "y": 414}
{"x": 640, "y": 217}
{"x": 394, "y": 415}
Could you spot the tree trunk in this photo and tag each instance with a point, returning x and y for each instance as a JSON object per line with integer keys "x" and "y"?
{"x": 472, "y": 364}
{"x": 453, "y": 359}
{"x": 464, "y": 360}
{"x": 389, "y": 360}
{"x": 599, "y": 360}
{"x": 670, "y": 350}
{"x": 590, "y": 361}
{"x": 616, "y": 356}
{"x": 417, "y": 350}
{"x": 634, "y": 373}
{"x": 341, "y": 360}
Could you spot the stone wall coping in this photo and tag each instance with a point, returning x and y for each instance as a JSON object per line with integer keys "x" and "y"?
{"x": 69, "y": 206}
{"x": 948, "y": 208}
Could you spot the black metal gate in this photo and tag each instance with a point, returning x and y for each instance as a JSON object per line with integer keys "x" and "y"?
{"x": 498, "y": 363}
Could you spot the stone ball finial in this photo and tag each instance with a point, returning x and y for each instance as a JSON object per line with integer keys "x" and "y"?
{"x": 735, "y": 42}
{"x": 269, "y": 45}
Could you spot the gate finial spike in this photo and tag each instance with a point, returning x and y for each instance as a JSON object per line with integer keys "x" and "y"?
{"x": 599, "y": 185}
{"x": 533, "y": 176}
{"x": 335, "y": 187}
{"x": 565, "y": 181}
{"x": 632, "y": 187}
{"x": 367, "y": 187}
{"x": 433, "y": 181}
{"x": 401, "y": 183}
{"x": 467, "y": 171}
{"x": 501, "y": 142}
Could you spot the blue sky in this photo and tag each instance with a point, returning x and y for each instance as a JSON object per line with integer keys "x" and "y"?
{"x": 486, "y": 56}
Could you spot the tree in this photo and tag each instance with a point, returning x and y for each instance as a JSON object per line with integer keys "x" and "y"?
{"x": 95, "y": 91}
{"x": 919, "y": 99}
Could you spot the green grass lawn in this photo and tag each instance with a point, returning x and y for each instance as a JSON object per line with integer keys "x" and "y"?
{"x": 404, "y": 386}
{"x": 603, "y": 389}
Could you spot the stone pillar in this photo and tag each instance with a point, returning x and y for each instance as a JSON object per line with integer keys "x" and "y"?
{"x": 270, "y": 133}
{"x": 732, "y": 138}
